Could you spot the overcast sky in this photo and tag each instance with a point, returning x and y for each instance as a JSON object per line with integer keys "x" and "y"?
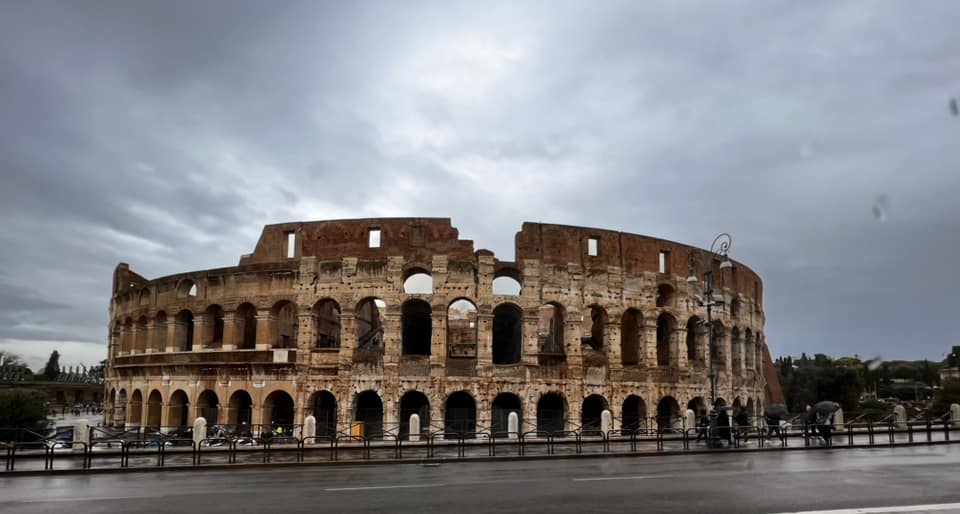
{"x": 166, "y": 134}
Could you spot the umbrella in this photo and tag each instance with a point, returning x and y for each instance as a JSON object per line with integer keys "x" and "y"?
{"x": 775, "y": 411}
{"x": 826, "y": 407}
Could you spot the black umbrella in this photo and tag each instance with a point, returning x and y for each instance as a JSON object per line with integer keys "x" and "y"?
{"x": 775, "y": 411}
{"x": 826, "y": 407}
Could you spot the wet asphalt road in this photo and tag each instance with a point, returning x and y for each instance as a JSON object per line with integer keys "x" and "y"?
{"x": 754, "y": 482}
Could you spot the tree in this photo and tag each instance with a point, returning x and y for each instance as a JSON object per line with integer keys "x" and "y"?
{"x": 23, "y": 415}
{"x": 52, "y": 369}
{"x": 12, "y": 365}
{"x": 946, "y": 396}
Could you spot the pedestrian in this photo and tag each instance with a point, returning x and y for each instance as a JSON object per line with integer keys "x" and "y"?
{"x": 703, "y": 424}
{"x": 723, "y": 422}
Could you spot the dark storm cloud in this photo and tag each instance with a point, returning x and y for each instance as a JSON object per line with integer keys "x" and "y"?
{"x": 167, "y": 134}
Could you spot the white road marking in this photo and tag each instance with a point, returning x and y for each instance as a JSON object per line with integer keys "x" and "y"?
{"x": 598, "y": 479}
{"x": 879, "y": 510}
{"x": 371, "y": 487}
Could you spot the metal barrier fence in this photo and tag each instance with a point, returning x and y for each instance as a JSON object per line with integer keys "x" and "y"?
{"x": 176, "y": 446}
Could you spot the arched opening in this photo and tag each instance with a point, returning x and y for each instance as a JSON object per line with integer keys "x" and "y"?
{"x": 751, "y": 408}
{"x": 695, "y": 338}
{"x": 503, "y": 405}
{"x": 593, "y": 328}
{"x": 698, "y": 405}
{"x": 278, "y": 410}
{"x": 213, "y": 325}
{"x": 735, "y": 308}
{"x": 414, "y": 402}
{"x": 246, "y": 318}
{"x": 634, "y": 413}
{"x": 177, "y": 409}
{"x": 668, "y": 413}
{"x": 186, "y": 289}
{"x": 240, "y": 408}
{"x": 417, "y": 327}
{"x": 591, "y": 413}
{"x": 369, "y": 415}
{"x": 144, "y": 298}
{"x": 324, "y": 408}
{"x": 718, "y": 350}
{"x": 462, "y": 329}
{"x": 369, "y": 323}
{"x": 507, "y": 334}
{"x": 631, "y": 327}
{"x": 326, "y": 319}
{"x": 460, "y": 416}
{"x": 550, "y": 330}
{"x": 419, "y": 282}
{"x": 126, "y": 336}
{"x": 507, "y": 286}
{"x": 665, "y": 324}
{"x": 142, "y": 335}
{"x": 154, "y": 410}
{"x": 748, "y": 352}
{"x": 665, "y": 295}
{"x": 160, "y": 332}
{"x": 736, "y": 344}
{"x": 183, "y": 335}
{"x": 284, "y": 314}
{"x": 550, "y": 415}
{"x": 120, "y": 412}
{"x": 208, "y": 407}
{"x": 135, "y": 411}
{"x": 110, "y": 406}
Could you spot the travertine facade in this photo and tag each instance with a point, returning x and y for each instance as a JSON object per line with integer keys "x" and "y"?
{"x": 339, "y": 319}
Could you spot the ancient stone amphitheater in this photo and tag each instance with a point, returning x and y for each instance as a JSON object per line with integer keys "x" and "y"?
{"x": 361, "y": 323}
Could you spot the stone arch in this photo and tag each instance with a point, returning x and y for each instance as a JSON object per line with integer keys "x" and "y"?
{"x": 591, "y": 413}
{"x": 698, "y": 405}
{"x": 668, "y": 413}
{"x": 416, "y": 321}
{"x": 285, "y": 324}
{"x": 551, "y": 414}
{"x": 154, "y": 410}
{"x": 695, "y": 333}
{"x": 279, "y": 410}
{"x": 666, "y": 295}
{"x": 507, "y": 281}
{"x": 183, "y": 335}
{"x": 326, "y": 324}
{"x": 550, "y": 335}
{"x": 631, "y": 330}
{"x": 503, "y": 405}
{"x": 417, "y": 281}
{"x": 665, "y": 327}
{"x": 507, "y": 334}
{"x": 594, "y": 327}
{"x": 159, "y": 343}
{"x": 213, "y": 327}
{"x": 178, "y": 409}
{"x": 414, "y": 402}
{"x": 186, "y": 288}
{"x": 323, "y": 407}
{"x": 633, "y": 416}
{"x": 135, "y": 411}
{"x": 240, "y": 408}
{"x": 460, "y": 415}
{"x": 369, "y": 323}
{"x": 368, "y": 412}
{"x": 462, "y": 316}
{"x": 208, "y": 407}
{"x": 246, "y": 325}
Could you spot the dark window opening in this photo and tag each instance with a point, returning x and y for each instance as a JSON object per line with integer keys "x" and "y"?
{"x": 369, "y": 324}
{"x": 414, "y": 402}
{"x": 417, "y": 324}
{"x": 630, "y": 332}
{"x": 278, "y": 411}
{"x": 634, "y": 414}
{"x": 324, "y": 406}
{"x": 327, "y": 324}
{"x": 668, "y": 413}
{"x": 460, "y": 416}
{"x": 247, "y": 316}
{"x": 369, "y": 416}
{"x": 240, "y": 410}
{"x": 208, "y": 407}
{"x": 664, "y": 330}
{"x": 591, "y": 414}
{"x": 503, "y": 405}
{"x": 507, "y": 334}
{"x": 550, "y": 415}
{"x": 550, "y": 330}
{"x": 462, "y": 329}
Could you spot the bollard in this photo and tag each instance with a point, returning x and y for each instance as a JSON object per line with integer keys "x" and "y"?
{"x": 309, "y": 428}
{"x": 900, "y": 416}
{"x": 513, "y": 425}
{"x": 955, "y": 415}
{"x": 199, "y": 430}
{"x": 414, "y": 427}
{"x": 606, "y": 422}
{"x": 689, "y": 419}
{"x": 81, "y": 434}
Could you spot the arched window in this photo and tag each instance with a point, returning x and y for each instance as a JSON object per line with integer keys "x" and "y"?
{"x": 503, "y": 405}
{"x": 550, "y": 330}
{"x": 551, "y": 413}
{"x": 593, "y": 328}
{"x": 418, "y": 282}
{"x": 324, "y": 410}
{"x": 208, "y": 407}
{"x": 634, "y": 413}
{"x": 369, "y": 323}
{"x": 668, "y": 413}
{"x": 696, "y": 331}
{"x": 506, "y": 286}
{"x": 186, "y": 289}
{"x": 462, "y": 329}
{"x": 246, "y": 325}
{"x": 213, "y": 326}
{"x": 507, "y": 334}
{"x": 142, "y": 335}
{"x": 591, "y": 414}
{"x": 460, "y": 416}
{"x": 369, "y": 412}
{"x": 284, "y": 325}
{"x": 240, "y": 408}
{"x": 417, "y": 324}
{"x": 665, "y": 295}
{"x": 327, "y": 324}
{"x": 414, "y": 402}
{"x": 160, "y": 332}
{"x": 631, "y": 328}
{"x": 184, "y": 331}
{"x": 278, "y": 411}
{"x": 177, "y": 409}
{"x": 135, "y": 412}
{"x": 665, "y": 325}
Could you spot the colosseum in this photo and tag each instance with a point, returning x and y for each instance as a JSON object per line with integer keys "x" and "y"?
{"x": 365, "y": 322}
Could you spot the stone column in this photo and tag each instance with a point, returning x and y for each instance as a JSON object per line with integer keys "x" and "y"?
{"x": 171, "y": 342}
{"x": 484, "y": 341}
{"x": 229, "y": 330}
{"x": 348, "y": 338}
{"x": 571, "y": 341}
{"x": 678, "y": 348}
{"x": 124, "y": 340}
{"x": 438, "y": 342}
{"x": 529, "y": 350}
{"x": 148, "y": 336}
{"x": 306, "y": 330}
{"x": 200, "y": 338}
{"x": 391, "y": 337}
{"x": 264, "y": 329}
{"x": 611, "y": 344}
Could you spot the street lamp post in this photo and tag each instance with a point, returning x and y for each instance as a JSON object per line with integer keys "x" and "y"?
{"x": 719, "y": 251}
